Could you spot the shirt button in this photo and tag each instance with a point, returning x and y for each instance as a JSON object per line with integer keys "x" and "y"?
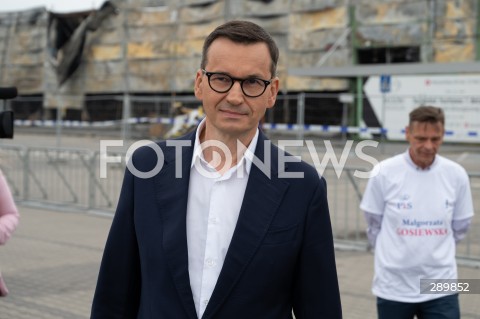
{"x": 212, "y": 220}
{"x": 205, "y": 302}
{"x": 210, "y": 262}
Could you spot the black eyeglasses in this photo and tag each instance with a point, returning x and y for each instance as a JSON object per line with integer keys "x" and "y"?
{"x": 222, "y": 83}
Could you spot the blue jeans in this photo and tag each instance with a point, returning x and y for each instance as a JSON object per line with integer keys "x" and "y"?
{"x": 440, "y": 308}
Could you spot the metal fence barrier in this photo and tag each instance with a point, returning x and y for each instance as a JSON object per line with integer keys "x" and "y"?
{"x": 61, "y": 178}
{"x": 300, "y": 113}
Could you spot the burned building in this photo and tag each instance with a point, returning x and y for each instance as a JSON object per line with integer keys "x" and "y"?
{"x": 92, "y": 65}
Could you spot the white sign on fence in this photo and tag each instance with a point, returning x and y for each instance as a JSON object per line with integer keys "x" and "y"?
{"x": 458, "y": 95}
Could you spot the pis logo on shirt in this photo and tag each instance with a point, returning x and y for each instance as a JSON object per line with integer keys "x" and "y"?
{"x": 404, "y": 203}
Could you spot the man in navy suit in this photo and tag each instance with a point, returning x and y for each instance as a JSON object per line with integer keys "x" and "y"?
{"x": 227, "y": 225}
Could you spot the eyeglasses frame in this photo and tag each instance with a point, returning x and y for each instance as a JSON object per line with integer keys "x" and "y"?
{"x": 209, "y": 74}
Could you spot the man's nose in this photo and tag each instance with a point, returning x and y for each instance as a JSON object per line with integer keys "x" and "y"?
{"x": 235, "y": 95}
{"x": 429, "y": 144}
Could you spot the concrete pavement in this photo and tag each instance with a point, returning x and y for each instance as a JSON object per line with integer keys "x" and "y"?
{"x": 51, "y": 266}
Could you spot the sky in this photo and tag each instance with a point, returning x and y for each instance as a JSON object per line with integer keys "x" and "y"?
{"x": 50, "y": 5}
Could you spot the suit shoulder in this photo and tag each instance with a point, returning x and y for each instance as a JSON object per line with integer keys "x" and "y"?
{"x": 145, "y": 149}
{"x": 148, "y": 148}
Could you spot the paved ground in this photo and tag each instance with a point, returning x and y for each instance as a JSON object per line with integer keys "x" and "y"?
{"x": 51, "y": 266}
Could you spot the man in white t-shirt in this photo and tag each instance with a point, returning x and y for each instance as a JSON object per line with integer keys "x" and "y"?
{"x": 417, "y": 207}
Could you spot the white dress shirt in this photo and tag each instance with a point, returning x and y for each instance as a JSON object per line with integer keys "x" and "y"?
{"x": 214, "y": 203}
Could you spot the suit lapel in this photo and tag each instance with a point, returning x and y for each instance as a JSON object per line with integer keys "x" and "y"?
{"x": 172, "y": 196}
{"x": 261, "y": 201}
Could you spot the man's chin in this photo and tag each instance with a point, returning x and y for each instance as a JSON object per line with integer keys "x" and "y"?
{"x": 232, "y": 128}
{"x": 427, "y": 161}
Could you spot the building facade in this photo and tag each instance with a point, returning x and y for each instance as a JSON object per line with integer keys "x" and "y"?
{"x": 148, "y": 47}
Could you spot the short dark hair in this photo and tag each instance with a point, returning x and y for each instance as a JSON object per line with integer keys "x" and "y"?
{"x": 244, "y": 32}
{"x": 427, "y": 114}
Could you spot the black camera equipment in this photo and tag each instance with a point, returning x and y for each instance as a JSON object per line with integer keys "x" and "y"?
{"x": 6, "y": 117}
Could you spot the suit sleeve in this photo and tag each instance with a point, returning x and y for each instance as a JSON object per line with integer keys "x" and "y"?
{"x": 316, "y": 292}
{"x": 118, "y": 286}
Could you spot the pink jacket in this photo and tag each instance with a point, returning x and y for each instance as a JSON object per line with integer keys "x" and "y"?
{"x": 8, "y": 211}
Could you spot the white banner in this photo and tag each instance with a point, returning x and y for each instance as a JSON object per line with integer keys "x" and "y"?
{"x": 392, "y": 99}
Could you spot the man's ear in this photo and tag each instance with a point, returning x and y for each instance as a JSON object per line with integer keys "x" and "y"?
{"x": 198, "y": 85}
{"x": 407, "y": 132}
{"x": 273, "y": 87}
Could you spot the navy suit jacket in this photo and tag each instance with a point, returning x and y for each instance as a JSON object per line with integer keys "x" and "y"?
{"x": 281, "y": 255}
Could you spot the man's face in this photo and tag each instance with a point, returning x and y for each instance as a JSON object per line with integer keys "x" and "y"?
{"x": 233, "y": 113}
{"x": 425, "y": 140}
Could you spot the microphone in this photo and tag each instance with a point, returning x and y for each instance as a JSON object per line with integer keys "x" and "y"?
{"x": 8, "y": 92}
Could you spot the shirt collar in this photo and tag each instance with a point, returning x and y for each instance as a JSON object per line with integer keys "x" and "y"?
{"x": 246, "y": 160}
{"x": 197, "y": 150}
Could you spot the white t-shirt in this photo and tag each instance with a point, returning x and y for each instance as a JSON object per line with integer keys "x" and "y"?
{"x": 416, "y": 239}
